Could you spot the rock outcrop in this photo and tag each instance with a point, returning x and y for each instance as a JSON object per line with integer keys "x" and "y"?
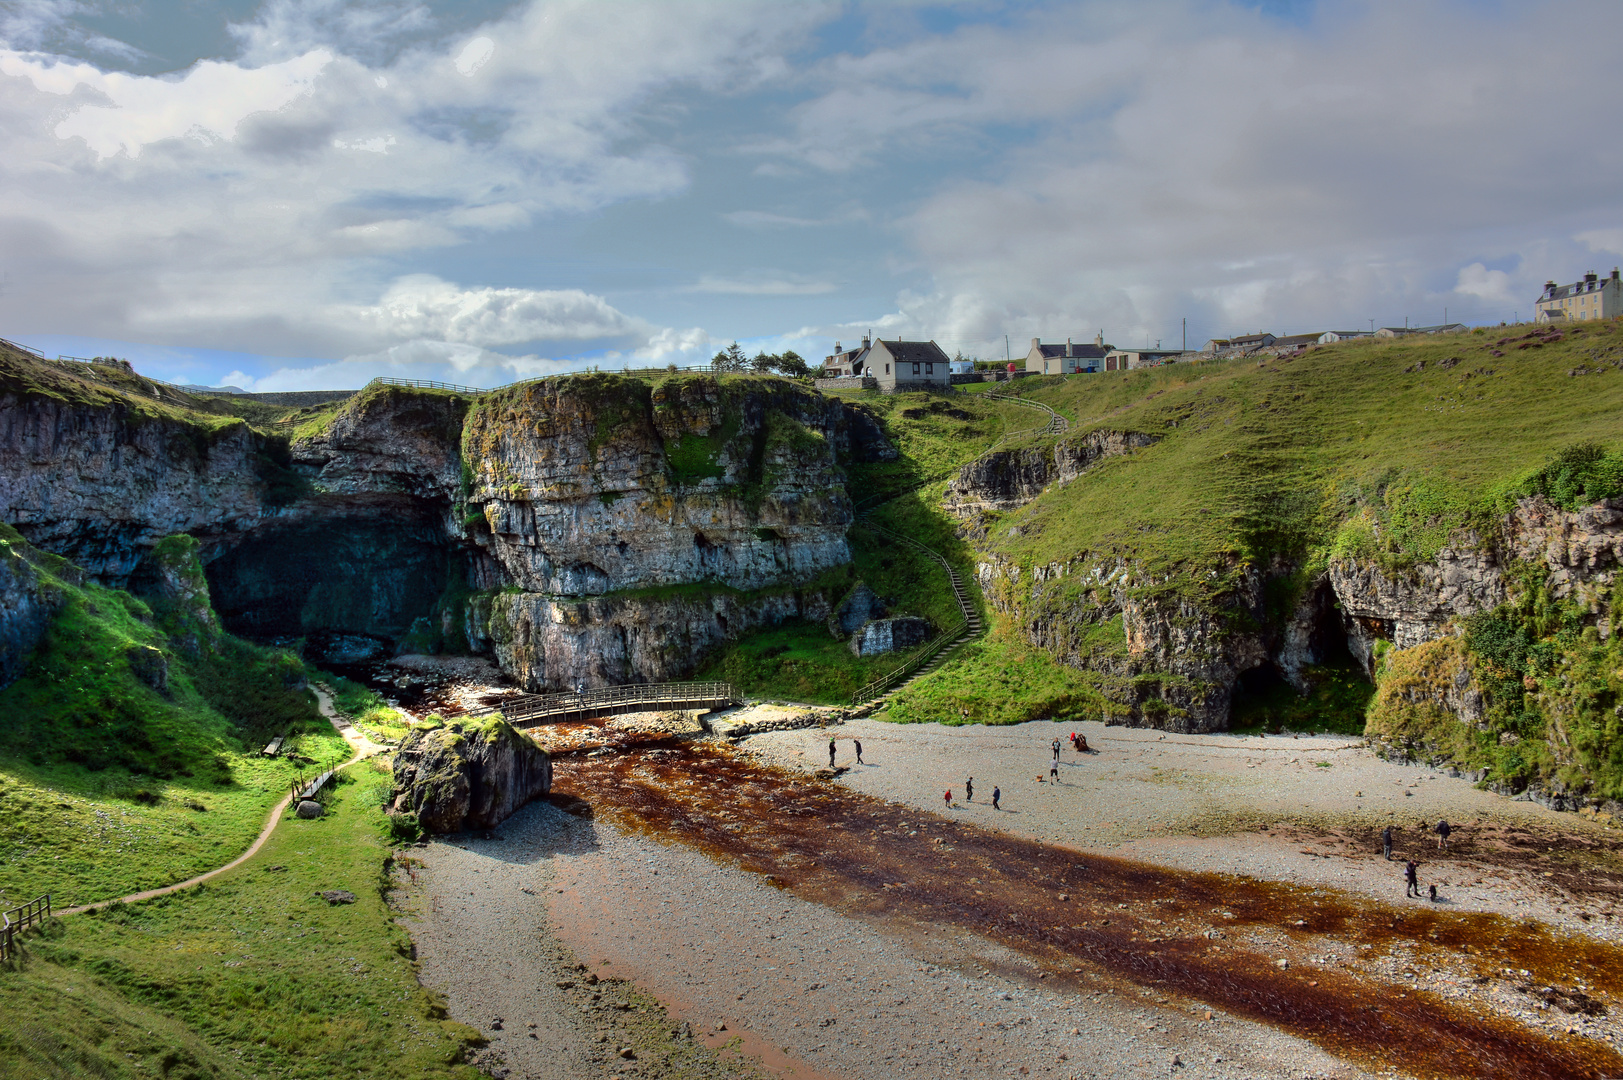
{"x": 468, "y": 774}
{"x": 597, "y": 483}
{"x": 890, "y": 635}
{"x": 30, "y": 594}
{"x": 1008, "y": 479}
{"x": 550, "y": 643}
{"x": 1412, "y": 608}
{"x": 140, "y": 471}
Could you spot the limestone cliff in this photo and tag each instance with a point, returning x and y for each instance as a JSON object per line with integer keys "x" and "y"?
{"x": 597, "y": 483}
{"x": 1007, "y": 479}
{"x": 686, "y": 509}
{"x": 30, "y": 594}
{"x": 99, "y": 476}
{"x": 1178, "y": 654}
{"x": 468, "y": 774}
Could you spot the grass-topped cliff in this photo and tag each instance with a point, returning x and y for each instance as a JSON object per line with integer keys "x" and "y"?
{"x": 1436, "y": 483}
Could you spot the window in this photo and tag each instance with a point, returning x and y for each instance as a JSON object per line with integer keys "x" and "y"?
{"x": 915, "y": 369}
{"x": 929, "y": 368}
{"x": 887, "y": 369}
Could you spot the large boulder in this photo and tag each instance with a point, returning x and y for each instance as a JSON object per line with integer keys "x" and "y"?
{"x": 469, "y": 773}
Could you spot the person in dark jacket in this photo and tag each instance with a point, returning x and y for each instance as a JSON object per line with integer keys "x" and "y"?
{"x": 858, "y": 744}
{"x": 1386, "y": 843}
{"x": 969, "y": 790}
{"x": 1411, "y": 874}
{"x": 831, "y": 753}
{"x": 1443, "y": 829}
{"x": 996, "y": 795}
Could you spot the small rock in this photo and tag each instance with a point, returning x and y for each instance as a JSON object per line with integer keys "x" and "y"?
{"x": 337, "y": 896}
{"x": 1064, "y": 896}
{"x": 1208, "y": 1014}
{"x": 496, "y": 1025}
{"x": 309, "y": 809}
{"x": 1282, "y": 964}
{"x": 1177, "y": 1062}
{"x": 628, "y": 1053}
{"x": 721, "y": 1025}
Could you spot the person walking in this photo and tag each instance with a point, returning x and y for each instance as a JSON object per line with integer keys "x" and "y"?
{"x": 1053, "y": 770}
{"x": 1386, "y": 843}
{"x": 858, "y": 744}
{"x": 1443, "y": 829}
{"x": 969, "y": 790}
{"x": 996, "y": 795}
{"x": 948, "y": 797}
{"x": 1056, "y": 749}
{"x": 831, "y": 753}
{"x": 1412, "y": 876}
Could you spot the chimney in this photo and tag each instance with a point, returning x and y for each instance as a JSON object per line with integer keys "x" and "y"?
{"x": 1035, "y": 342}
{"x": 1591, "y": 277}
{"x": 867, "y": 339}
{"x": 836, "y": 348}
{"x": 1067, "y": 346}
{"x": 1099, "y": 340}
{"x": 1614, "y": 273}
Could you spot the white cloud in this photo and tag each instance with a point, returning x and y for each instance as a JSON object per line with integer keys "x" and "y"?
{"x": 474, "y": 55}
{"x": 424, "y": 307}
{"x": 1609, "y": 241}
{"x": 760, "y": 286}
{"x": 1490, "y": 285}
{"x": 258, "y": 203}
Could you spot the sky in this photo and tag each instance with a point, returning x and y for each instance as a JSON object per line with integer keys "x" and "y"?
{"x": 306, "y": 194}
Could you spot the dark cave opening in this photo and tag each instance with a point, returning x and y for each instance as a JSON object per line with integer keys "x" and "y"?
{"x": 331, "y": 579}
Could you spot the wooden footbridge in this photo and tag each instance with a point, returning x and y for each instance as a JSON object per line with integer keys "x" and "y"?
{"x": 528, "y": 710}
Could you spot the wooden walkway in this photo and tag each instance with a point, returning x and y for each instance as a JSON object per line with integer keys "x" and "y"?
{"x": 532, "y": 709}
{"x": 18, "y": 919}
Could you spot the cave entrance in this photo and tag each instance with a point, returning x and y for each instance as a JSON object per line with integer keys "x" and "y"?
{"x": 340, "y": 582}
{"x": 1261, "y": 700}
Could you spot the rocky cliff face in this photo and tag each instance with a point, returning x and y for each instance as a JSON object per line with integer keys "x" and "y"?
{"x": 383, "y": 520}
{"x": 593, "y": 484}
{"x": 468, "y": 774}
{"x": 1199, "y": 648}
{"x": 553, "y": 643}
{"x": 1008, "y": 479}
{"x": 30, "y": 595}
{"x": 91, "y": 477}
{"x": 1174, "y": 661}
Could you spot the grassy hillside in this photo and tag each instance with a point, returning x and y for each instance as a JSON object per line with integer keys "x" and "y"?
{"x": 109, "y": 784}
{"x": 1384, "y": 450}
{"x": 251, "y": 974}
{"x": 1374, "y": 446}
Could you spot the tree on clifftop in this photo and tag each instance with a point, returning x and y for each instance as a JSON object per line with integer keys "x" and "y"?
{"x": 729, "y": 359}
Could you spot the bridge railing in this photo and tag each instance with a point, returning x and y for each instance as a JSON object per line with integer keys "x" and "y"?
{"x": 18, "y": 919}
{"x": 611, "y": 699}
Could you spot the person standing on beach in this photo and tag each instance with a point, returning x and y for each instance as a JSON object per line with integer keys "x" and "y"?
{"x": 969, "y": 790}
{"x": 1443, "y": 829}
{"x": 948, "y": 797}
{"x": 1056, "y": 749}
{"x": 996, "y": 795}
{"x": 1386, "y": 843}
{"x": 1053, "y": 770}
{"x": 831, "y": 753}
{"x": 858, "y": 743}
{"x": 1412, "y": 876}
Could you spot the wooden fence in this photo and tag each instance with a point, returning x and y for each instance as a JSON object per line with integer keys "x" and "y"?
{"x": 19, "y": 919}
{"x": 609, "y": 700}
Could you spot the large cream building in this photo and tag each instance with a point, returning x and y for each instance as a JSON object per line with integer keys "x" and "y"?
{"x": 1594, "y": 297}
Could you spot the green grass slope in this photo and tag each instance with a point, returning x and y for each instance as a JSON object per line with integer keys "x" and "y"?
{"x": 1380, "y": 447}
{"x": 251, "y": 974}
{"x": 1385, "y": 450}
{"x": 108, "y": 785}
